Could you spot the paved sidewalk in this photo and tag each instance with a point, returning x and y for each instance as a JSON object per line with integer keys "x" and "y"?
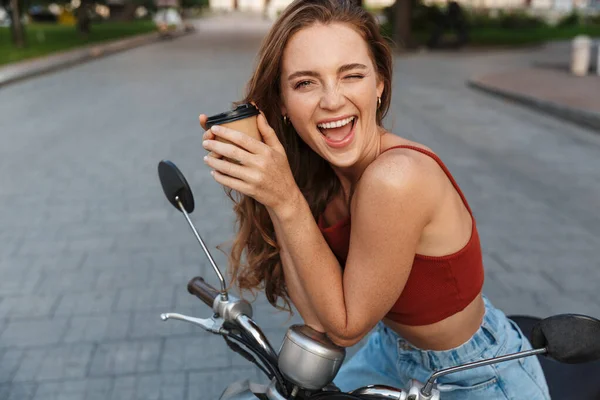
{"x": 549, "y": 86}
{"x": 30, "y": 68}
{"x": 573, "y": 98}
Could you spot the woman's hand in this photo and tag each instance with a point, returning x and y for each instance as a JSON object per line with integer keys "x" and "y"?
{"x": 208, "y": 135}
{"x": 263, "y": 172}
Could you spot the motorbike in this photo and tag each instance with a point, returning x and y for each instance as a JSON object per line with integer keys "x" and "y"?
{"x": 568, "y": 345}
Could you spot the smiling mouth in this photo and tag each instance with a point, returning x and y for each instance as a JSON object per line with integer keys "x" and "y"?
{"x": 337, "y": 130}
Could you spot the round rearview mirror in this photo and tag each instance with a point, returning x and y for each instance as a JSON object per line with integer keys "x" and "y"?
{"x": 569, "y": 338}
{"x": 175, "y": 186}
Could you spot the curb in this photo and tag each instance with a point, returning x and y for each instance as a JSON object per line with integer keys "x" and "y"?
{"x": 587, "y": 119}
{"x": 19, "y": 71}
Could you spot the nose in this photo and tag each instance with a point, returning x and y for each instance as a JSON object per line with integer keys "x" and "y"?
{"x": 332, "y": 98}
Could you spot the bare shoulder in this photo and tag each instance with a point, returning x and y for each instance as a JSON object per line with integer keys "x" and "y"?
{"x": 404, "y": 167}
{"x": 398, "y": 180}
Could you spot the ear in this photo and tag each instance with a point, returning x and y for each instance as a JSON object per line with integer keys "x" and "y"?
{"x": 283, "y": 110}
{"x": 380, "y": 87}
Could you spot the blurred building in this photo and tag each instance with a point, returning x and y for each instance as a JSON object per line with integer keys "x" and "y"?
{"x": 272, "y": 7}
{"x": 540, "y": 5}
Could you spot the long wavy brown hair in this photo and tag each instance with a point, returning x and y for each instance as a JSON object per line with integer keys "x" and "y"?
{"x": 254, "y": 259}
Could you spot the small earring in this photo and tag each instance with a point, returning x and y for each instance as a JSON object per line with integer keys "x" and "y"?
{"x": 286, "y": 120}
{"x": 378, "y": 102}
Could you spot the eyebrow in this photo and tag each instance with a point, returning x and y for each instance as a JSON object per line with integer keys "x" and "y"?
{"x": 343, "y": 68}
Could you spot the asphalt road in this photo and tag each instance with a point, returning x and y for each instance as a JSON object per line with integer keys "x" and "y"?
{"x": 92, "y": 253}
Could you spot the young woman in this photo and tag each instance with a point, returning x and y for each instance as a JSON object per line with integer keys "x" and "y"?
{"x": 358, "y": 227}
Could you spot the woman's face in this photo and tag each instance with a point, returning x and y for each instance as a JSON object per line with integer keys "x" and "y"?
{"x": 329, "y": 88}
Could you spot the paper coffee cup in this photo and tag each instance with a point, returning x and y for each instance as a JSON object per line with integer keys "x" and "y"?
{"x": 242, "y": 119}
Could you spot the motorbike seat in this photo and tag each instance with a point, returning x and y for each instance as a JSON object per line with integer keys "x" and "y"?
{"x": 565, "y": 381}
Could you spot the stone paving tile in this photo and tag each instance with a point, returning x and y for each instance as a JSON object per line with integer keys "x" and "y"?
{"x": 202, "y": 351}
{"x": 87, "y": 303}
{"x": 148, "y": 299}
{"x": 19, "y": 279}
{"x": 125, "y": 357}
{"x": 82, "y": 389}
{"x": 53, "y": 363}
{"x": 26, "y": 307}
{"x": 164, "y": 386}
{"x": 9, "y": 364}
{"x": 17, "y": 391}
{"x": 210, "y": 385}
{"x": 67, "y": 281}
{"x": 98, "y": 329}
{"x": 23, "y": 333}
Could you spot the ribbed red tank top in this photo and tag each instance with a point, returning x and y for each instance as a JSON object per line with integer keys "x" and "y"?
{"x": 437, "y": 287}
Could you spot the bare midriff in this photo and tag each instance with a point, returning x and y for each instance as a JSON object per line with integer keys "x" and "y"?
{"x": 446, "y": 334}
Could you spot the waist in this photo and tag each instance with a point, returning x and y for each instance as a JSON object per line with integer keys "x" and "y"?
{"x": 446, "y": 334}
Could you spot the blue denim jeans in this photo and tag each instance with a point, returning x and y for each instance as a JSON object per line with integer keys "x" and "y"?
{"x": 388, "y": 359}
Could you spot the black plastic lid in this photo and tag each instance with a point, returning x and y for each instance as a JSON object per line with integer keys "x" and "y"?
{"x": 242, "y": 111}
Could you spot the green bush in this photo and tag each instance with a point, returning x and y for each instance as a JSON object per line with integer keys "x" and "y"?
{"x": 573, "y": 19}
{"x": 423, "y": 17}
{"x": 593, "y": 19}
{"x": 505, "y": 20}
{"x": 498, "y": 29}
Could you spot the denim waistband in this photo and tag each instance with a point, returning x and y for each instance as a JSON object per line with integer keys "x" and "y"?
{"x": 488, "y": 338}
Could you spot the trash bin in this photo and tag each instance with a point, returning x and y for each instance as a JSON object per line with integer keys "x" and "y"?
{"x": 581, "y": 49}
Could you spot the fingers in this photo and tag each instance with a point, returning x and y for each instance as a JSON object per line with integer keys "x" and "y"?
{"x": 239, "y": 139}
{"x": 233, "y": 183}
{"x": 268, "y": 134}
{"x": 207, "y": 135}
{"x": 228, "y": 150}
{"x": 203, "y": 119}
{"x": 229, "y": 169}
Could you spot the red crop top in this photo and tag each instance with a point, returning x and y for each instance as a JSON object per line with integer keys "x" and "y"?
{"x": 437, "y": 287}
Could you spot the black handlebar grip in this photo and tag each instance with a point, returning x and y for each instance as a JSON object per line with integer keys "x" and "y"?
{"x": 202, "y": 290}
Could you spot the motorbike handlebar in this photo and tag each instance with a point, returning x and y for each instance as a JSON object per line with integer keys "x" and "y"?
{"x": 202, "y": 290}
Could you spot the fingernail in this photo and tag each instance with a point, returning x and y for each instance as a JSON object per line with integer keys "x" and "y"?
{"x": 205, "y": 158}
{"x": 216, "y": 129}
{"x": 205, "y": 143}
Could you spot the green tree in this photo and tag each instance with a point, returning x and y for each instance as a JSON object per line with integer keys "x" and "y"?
{"x": 84, "y": 17}
{"x": 193, "y": 3}
{"x": 402, "y": 22}
{"x": 17, "y": 29}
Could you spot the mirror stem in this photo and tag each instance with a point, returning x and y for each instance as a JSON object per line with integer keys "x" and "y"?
{"x": 224, "y": 296}
{"x": 426, "y": 391}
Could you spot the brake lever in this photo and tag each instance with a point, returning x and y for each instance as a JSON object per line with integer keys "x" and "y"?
{"x": 214, "y": 325}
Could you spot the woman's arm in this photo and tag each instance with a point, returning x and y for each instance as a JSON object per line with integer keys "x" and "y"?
{"x": 297, "y": 295}
{"x": 390, "y": 208}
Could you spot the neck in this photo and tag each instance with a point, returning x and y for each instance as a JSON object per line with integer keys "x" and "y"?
{"x": 349, "y": 176}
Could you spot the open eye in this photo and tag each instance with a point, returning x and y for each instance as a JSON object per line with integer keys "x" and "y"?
{"x": 302, "y": 84}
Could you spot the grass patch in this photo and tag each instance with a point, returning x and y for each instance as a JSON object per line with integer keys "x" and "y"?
{"x": 516, "y": 37}
{"x": 44, "y": 39}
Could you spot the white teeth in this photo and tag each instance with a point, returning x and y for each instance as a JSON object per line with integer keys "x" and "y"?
{"x": 336, "y": 124}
